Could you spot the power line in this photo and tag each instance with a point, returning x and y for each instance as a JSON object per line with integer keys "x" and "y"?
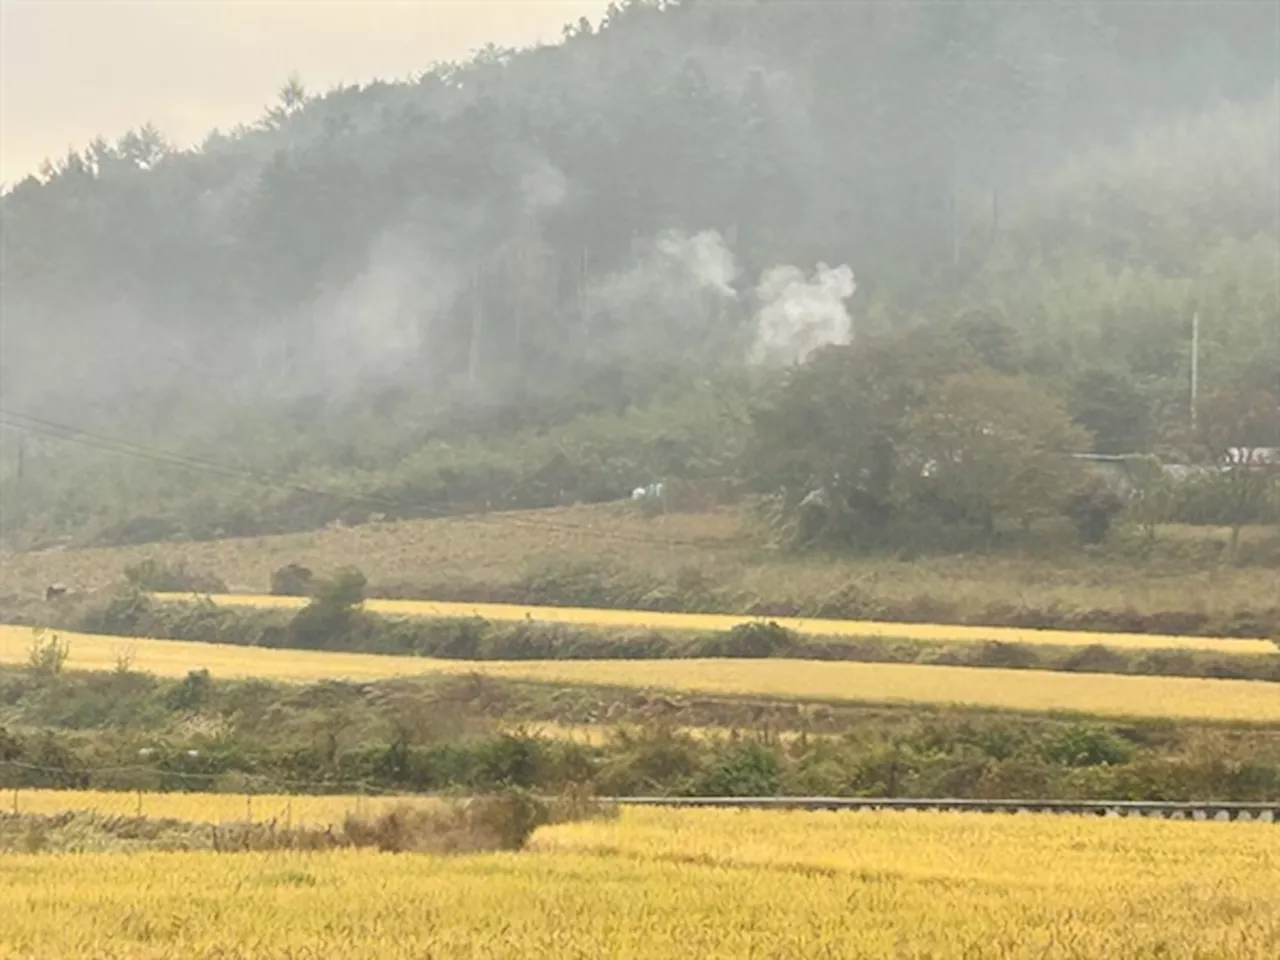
{"x": 59, "y": 431}
{"x": 71, "y": 434}
{"x": 33, "y": 425}
{"x": 264, "y": 786}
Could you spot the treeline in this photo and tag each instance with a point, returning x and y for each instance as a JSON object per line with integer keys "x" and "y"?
{"x": 128, "y": 731}
{"x": 516, "y": 181}
{"x": 534, "y": 278}
{"x": 941, "y": 438}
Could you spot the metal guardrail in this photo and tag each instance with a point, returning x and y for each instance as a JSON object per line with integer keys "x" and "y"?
{"x": 1267, "y": 811}
{"x": 1202, "y": 810}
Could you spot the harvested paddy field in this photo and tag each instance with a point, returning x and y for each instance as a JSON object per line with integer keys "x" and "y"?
{"x": 612, "y": 556}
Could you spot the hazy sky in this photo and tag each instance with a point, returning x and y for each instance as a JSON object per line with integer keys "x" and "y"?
{"x": 73, "y": 69}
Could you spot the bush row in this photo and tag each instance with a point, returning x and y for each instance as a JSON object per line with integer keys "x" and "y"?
{"x": 1076, "y": 761}
{"x": 125, "y": 730}
{"x": 332, "y": 621}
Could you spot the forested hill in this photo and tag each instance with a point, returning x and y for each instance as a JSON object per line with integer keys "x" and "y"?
{"x": 684, "y": 186}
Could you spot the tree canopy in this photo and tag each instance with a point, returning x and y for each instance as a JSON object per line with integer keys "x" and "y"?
{"x": 539, "y": 237}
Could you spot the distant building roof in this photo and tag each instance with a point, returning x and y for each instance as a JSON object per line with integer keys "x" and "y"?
{"x": 1255, "y": 455}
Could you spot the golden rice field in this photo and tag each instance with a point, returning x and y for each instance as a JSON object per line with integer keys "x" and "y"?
{"x": 1114, "y": 695}
{"x": 710, "y": 623}
{"x": 294, "y": 810}
{"x": 660, "y": 885}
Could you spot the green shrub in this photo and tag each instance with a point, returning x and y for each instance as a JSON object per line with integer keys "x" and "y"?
{"x": 123, "y": 615}
{"x": 291, "y": 580}
{"x": 331, "y": 619}
{"x": 1085, "y": 745}
{"x": 508, "y": 760}
{"x": 754, "y": 640}
{"x": 1095, "y": 658}
{"x": 344, "y": 589}
{"x": 740, "y": 770}
{"x": 654, "y": 759}
{"x": 47, "y": 654}
{"x": 192, "y": 692}
{"x": 1092, "y": 508}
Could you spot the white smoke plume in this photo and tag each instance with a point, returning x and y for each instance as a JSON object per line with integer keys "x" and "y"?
{"x": 675, "y": 267}
{"x": 381, "y": 318}
{"x": 798, "y": 315}
{"x": 376, "y": 325}
{"x": 705, "y": 256}
{"x": 360, "y": 333}
{"x": 674, "y": 294}
{"x": 543, "y": 186}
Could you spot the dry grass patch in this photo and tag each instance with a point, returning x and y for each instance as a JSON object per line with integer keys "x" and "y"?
{"x": 491, "y": 556}
{"x": 498, "y": 821}
{"x": 210, "y": 808}
{"x": 494, "y": 548}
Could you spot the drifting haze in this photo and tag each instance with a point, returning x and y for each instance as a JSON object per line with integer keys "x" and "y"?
{"x": 686, "y": 185}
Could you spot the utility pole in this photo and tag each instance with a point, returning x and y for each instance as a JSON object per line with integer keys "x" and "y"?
{"x": 521, "y": 292}
{"x": 1195, "y": 364}
{"x": 584, "y": 318}
{"x": 477, "y": 325}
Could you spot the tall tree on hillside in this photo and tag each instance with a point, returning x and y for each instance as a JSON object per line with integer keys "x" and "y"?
{"x": 290, "y": 100}
{"x": 1113, "y": 409}
{"x": 1239, "y": 428}
{"x": 834, "y": 434}
{"x": 986, "y": 448}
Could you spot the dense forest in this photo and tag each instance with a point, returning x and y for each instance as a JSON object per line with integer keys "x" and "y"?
{"x": 773, "y": 245}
